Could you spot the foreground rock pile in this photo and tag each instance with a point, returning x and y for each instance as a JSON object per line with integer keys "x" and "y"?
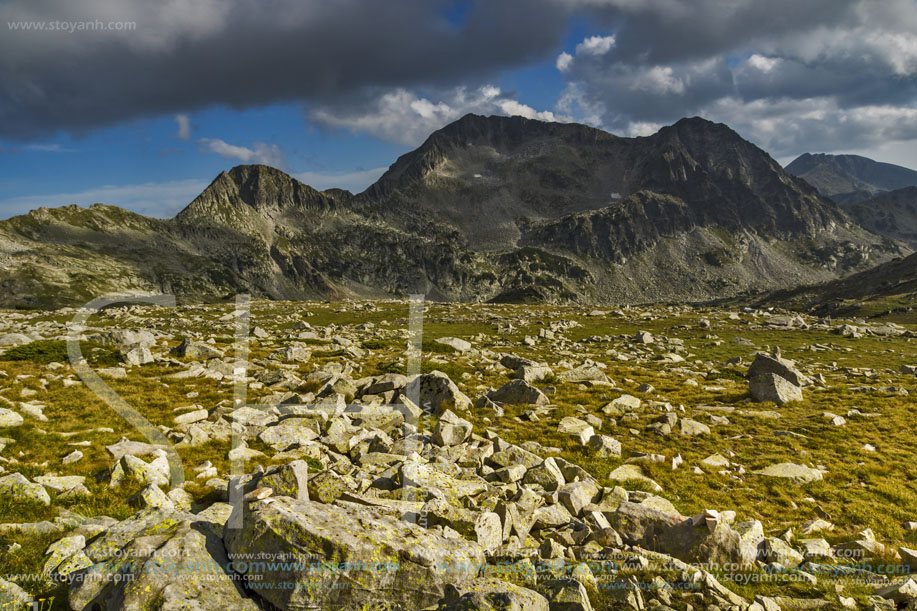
{"x": 408, "y": 511}
{"x": 379, "y": 492}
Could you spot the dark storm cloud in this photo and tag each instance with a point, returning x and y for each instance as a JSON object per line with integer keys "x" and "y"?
{"x": 791, "y": 75}
{"x": 786, "y": 73}
{"x": 188, "y": 54}
{"x": 672, "y": 31}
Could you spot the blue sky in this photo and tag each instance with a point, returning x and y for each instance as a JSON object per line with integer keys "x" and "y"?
{"x": 333, "y": 93}
{"x": 147, "y": 166}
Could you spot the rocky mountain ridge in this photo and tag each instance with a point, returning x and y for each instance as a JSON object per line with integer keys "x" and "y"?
{"x": 488, "y": 208}
{"x": 848, "y": 179}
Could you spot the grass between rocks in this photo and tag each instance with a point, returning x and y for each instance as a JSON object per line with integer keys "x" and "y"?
{"x": 862, "y": 489}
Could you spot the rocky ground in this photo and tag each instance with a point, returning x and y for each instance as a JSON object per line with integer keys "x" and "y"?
{"x": 545, "y": 457}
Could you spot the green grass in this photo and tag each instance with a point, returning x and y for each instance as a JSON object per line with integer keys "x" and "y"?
{"x": 862, "y": 489}
{"x": 44, "y": 352}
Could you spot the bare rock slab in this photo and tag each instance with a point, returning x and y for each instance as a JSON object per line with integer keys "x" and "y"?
{"x": 382, "y": 559}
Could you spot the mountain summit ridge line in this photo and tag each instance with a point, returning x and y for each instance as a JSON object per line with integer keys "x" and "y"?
{"x": 487, "y": 208}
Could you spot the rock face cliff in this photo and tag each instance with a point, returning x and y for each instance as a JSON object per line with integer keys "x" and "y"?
{"x": 488, "y": 208}
{"x": 892, "y": 214}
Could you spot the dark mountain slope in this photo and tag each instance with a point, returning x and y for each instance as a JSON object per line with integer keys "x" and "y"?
{"x": 849, "y": 179}
{"x": 889, "y": 288}
{"x": 486, "y": 208}
{"x": 892, "y": 214}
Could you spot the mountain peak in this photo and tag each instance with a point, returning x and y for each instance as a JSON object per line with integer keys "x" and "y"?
{"x": 253, "y": 189}
{"x": 498, "y": 133}
{"x": 850, "y": 178}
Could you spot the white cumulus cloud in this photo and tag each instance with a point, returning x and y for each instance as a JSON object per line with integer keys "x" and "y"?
{"x": 261, "y": 152}
{"x": 764, "y": 64}
{"x": 595, "y": 45}
{"x": 403, "y": 116}
{"x": 183, "y": 127}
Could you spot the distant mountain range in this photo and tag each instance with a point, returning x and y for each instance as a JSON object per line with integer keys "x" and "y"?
{"x": 882, "y": 197}
{"x": 488, "y": 208}
{"x": 848, "y": 179}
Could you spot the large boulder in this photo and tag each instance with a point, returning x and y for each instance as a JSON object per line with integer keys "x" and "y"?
{"x": 779, "y": 551}
{"x": 532, "y": 373}
{"x": 586, "y": 373}
{"x": 642, "y": 524}
{"x": 289, "y": 432}
{"x": 377, "y": 559}
{"x": 707, "y": 539}
{"x": 192, "y": 349}
{"x": 771, "y": 387}
{"x": 125, "y": 339}
{"x": 457, "y": 344}
{"x": 566, "y": 594}
{"x": 546, "y": 474}
{"x": 160, "y": 560}
{"x": 17, "y": 487}
{"x": 436, "y": 393}
{"x": 14, "y": 339}
{"x": 290, "y": 479}
{"x": 518, "y": 392}
{"x": 704, "y": 538}
{"x": 786, "y": 369}
{"x": 628, "y": 472}
{"x": 131, "y": 468}
{"x": 451, "y": 430}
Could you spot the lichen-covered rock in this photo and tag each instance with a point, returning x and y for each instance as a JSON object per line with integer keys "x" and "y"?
{"x": 17, "y": 487}
{"x": 159, "y": 560}
{"x": 12, "y": 596}
{"x": 604, "y": 446}
{"x": 779, "y": 551}
{"x": 457, "y": 344}
{"x": 565, "y": 594}
{"x": 518, "y": 392}
{"x": 151, "y": 496}
{"x": 436, "y": 393}
{"x": 632, "y": 472}
{"x": 547, "y": 475}
{"x": 288, "y": 432}
{"x": 638, "y": 523}
{"x": 532, "y": 373}
{"x": 490, "y": 594}
{"x": 451, "y": 430}
{"x": 576, "y": 495}
{"x": 427, "y": 477}
{"x": 61, "y": 550}
{"x": 9, "y": 418}
{"x": 290, "y": 479}
{"x": 377, "y": 559}
{"x": 130, "y": 468}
